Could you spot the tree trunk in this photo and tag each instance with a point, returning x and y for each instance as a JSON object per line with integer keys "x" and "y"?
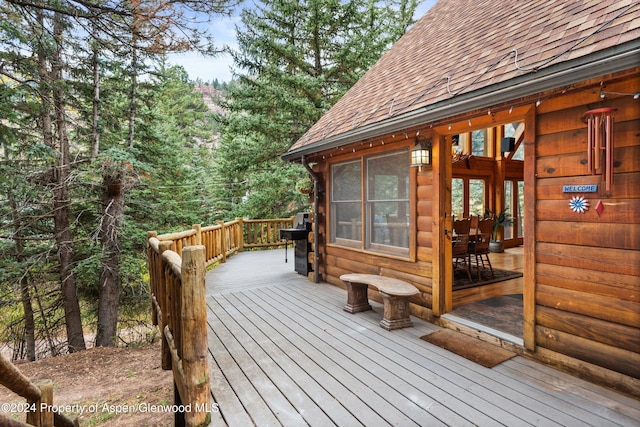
{"x": 75, "y": 336}
{"x": 25, "y": 295}
{"x": 110, "y": 286}
{"x": 134, "y": 89}
{"x": 29, "y": 323}
{"x": 95, "y": 125}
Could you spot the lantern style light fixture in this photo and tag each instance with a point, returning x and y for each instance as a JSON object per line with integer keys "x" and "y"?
{"x": 421, "y": 153}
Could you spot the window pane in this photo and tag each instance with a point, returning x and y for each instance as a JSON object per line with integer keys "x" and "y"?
{"x": 519, "y": 155}
{"x": 346, "y": 182}
{"x": 457, "y": 194}
{"x": 520, "y": 217}
{"x": 508, "y": 204}
{"x": 388, "y": 177}
{"x": 385, "y": 203}
{"x": 389, "y": 228}
{"x": 388, "y": 203}
{"x": 346, "y": 202}
{"x": 478, "y": 142}
{"x": 476, "y": 197}
{"x": 510, "y": 130}
{"x": 347, "y": 221}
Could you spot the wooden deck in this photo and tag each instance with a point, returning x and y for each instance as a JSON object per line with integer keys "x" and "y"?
{"x": 283, "y": 352}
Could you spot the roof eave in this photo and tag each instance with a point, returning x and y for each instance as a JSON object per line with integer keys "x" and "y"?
{"x": 608, "y": 61}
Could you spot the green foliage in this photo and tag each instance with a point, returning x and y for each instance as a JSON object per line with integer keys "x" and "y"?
{"x": 299, "y": 59}
{"x": 500, "y": 219}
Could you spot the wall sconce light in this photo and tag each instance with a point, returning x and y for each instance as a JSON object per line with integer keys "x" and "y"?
{"x": 600, "y": 130}
{"x": 421, "y": 153}
{"x": 507, "y": 144}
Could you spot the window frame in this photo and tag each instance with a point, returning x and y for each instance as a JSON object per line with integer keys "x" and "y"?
{"x": 333, "y": 236}
{"x": 365, "y": 244}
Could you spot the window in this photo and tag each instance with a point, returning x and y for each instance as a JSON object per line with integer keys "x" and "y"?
{"x": 514, "y": 202}
{"x": 468, "y": 197}
{"x": 388, "y": 202}
{"x": 457, "y": 197}
{"x": 520, "y": 215}
{"x": 515, "y": 130}
{"x": 346, "y": 203}
{"x": 479, "y": 142}
{"x": 476, "y": 197}
{"x": 385, "y": 203}
{"x": 508, "y": 205}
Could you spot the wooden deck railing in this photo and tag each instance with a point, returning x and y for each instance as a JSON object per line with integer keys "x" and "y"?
{"x": 226, "y": 238}
{"x": 262, "y": 233}
{"x": 177, "y": 267}
{"x": 179, "y": 309}
{"x": 39, "y": 404}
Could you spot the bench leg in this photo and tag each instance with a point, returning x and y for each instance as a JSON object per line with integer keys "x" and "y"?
{"x": 396, "y": 312}
{"x": 357, "y": 298}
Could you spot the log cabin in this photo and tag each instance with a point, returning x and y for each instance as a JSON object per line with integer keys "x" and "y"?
{"x": 532, "y": 106}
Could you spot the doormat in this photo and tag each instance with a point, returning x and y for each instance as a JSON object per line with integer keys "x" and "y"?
{"x": 480, "y": 352}
{"x": 461, "y": 279}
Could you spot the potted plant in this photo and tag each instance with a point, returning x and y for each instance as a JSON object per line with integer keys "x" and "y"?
{"x": 500, "y": 219}
{"x": 305, "y": 185}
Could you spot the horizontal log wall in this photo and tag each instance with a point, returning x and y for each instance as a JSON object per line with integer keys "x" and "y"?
{"x": 588, "y": 265}
{"x": 336, "y": 261}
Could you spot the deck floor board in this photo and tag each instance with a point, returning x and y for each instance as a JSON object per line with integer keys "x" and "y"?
{"x": 404, "y": 373}
{"x": 308, "y": 337}
{"x": 460, "y": 383}
{"x": 380, "y": 385}
{"x": 514, "y": 397}
{"x": 283, "y": 352}
{"x": 292, "y": 364}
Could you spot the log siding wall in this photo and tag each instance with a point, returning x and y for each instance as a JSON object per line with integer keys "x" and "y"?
{"x": 337, "y": 260}
{"x": 588, "y": 266}
{"x": 583, "y": 302}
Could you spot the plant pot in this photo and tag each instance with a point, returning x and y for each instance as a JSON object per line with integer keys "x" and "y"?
{"x": 496, "y": 246}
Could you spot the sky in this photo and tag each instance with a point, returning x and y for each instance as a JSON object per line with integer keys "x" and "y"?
{"x": 223, "y": 30}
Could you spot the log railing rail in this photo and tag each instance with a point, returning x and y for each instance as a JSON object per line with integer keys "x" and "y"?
{"x": 177, "y": 266}
{"x": 226, "y": 238}
{"x": 39, "y": 396}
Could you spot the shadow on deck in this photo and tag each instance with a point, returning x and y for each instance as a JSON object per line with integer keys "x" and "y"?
{"x": 283, "y": 352}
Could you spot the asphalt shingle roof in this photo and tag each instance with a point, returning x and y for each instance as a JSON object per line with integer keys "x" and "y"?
{"x": 460, "y": 46}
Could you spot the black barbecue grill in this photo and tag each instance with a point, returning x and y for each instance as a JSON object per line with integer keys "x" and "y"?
{"x": 299, "y": 234}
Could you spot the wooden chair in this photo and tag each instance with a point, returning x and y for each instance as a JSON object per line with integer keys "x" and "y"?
{"x": 462, "y": 226}
{"x": 480, "y": 250}
{"x": 485, "y": 225}
{"x": 460, "y": 254}
{"x": 474, "y": 226}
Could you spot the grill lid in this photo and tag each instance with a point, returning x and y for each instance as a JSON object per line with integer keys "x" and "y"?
{"x": 293, "y": 233}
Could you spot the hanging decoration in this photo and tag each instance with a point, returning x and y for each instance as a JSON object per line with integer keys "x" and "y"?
{"x": 600, "y": 130}
{"x": 579, "y": 204}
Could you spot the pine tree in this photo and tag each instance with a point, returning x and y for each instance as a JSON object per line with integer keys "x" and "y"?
{"x": 300, "y": 57}
{"x": 92, "y": 134}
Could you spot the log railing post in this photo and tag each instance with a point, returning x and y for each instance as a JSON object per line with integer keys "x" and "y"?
{"x": 163, "y": 300}
{"x": 240, "y": 235}
{"x": 198, "y": 237}
{"x": 194, "y": 336}
{"x": 42, "y": 416}
{"x": 152, "y": 264}
{"x": 223, "y": 242}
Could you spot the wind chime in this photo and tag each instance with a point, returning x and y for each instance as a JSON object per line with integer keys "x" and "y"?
{"x": 600, "y": 125}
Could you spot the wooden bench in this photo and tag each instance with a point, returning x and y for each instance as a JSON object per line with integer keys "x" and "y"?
{"x": 395, "y": 294}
